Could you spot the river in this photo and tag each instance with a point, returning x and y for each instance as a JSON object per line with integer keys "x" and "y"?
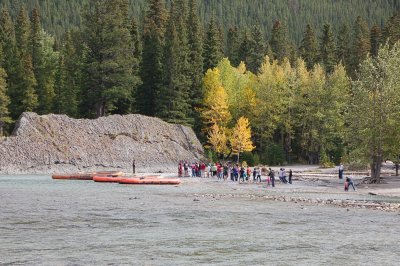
{"x": 58, "y": 222}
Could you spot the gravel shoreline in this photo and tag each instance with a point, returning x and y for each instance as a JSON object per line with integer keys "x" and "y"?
{"x": 306, "y": 190}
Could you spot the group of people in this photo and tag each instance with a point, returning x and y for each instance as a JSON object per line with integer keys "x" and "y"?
{"x": 233, "y": 172}
{"x": 281, "y": 175}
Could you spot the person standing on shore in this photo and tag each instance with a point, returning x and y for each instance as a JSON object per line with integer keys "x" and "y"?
{"x": 341, "y": 168}
{"x": 258, "y": 174}
{"x": 290, "y": 176}
{"x": 284, "y": 176}
{"x": 202, "y": 169}
{"x": 133, "y": 167}
{"x": 236, "y": 172}
{"x": 180, "y": 169}
{"x": 272, "y": 177}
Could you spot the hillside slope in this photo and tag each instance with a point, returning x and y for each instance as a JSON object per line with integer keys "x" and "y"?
{"x": 57, "y": 16}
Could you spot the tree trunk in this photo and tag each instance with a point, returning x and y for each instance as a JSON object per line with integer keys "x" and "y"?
{"x": 100, "y": 109}
{"x": 229, "y": 154}
{"x": 376, "y": 169}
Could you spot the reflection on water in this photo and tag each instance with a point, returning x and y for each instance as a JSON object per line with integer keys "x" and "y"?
{"x": 49, "y": 222}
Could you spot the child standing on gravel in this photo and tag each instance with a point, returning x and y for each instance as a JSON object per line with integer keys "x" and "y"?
{"x": 348, "y": 183}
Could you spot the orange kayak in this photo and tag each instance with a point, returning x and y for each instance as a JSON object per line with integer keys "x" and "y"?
{"x": 74, "y": 176}
{"x": 150, "y": 181}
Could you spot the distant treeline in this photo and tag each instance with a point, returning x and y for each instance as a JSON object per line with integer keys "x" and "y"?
{"x": 59, "y": 16}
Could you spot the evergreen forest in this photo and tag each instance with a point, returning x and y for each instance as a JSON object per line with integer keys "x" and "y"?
{"x": 269, "y": 82}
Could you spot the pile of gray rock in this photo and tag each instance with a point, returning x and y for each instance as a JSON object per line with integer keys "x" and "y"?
{"x": 57, "y": 143}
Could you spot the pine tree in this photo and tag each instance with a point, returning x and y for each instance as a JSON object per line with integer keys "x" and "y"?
{"x": 375, "y": 39}
{"x": 391, "y": 31}
{"x": 61, "y": 102}
{"x": 136, "y": 41}
{"x": 172, "y": 102}
{"x": 24, "y": 97}
{"x": 279, "y": 41}
{"x": 151, "y": 63}
{"x": 136, "y": 49}
{"x": 7, "y": 41}
{"x": 109, "y": 57}
{"x": 309, "y": 47}
{"x": 68, "y": 79}
{"x": 233, "y": 46}
{"x": 36, "y": 43}
{"x": 257, "y": 49}
{"x": 4, "y": 99}
{"x": 22, "y": 33}
{"x": 30, "y": 98}
{"x": 9, "y": 61}
{"x": 328, "y": 49}
{"x": 195, "y": 42}
{"x": 44, "y": 62}
{"x": 128, "y": 104}
{"x": 361, "y": 45}
{"x": 245, "y": 47}
{"x": 344, "y": 47}
{"x": 212, "y": 46}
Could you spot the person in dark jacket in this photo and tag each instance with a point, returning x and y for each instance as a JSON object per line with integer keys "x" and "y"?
{"x": 272, "y": 176}
{"x": 290, "y": 176}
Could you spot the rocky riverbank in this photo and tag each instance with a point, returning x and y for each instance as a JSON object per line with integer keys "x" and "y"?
{"x": 57, "y": 143}
{"x": 344, "y": 203}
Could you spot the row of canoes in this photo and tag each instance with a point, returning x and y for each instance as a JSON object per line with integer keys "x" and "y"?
{"x": 117, "y": 177}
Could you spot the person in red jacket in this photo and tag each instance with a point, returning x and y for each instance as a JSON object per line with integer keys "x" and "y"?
{"x": 202, "y": 169}
{"x": 180, "y": 169}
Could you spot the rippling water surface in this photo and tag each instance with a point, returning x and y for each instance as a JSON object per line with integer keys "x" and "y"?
{"x": 56, "y": 222}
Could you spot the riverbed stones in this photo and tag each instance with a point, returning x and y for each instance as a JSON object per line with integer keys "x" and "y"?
{"x": 347, "y": 204}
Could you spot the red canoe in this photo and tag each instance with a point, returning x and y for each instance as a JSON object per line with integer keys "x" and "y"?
{"x": 150, "y": 181}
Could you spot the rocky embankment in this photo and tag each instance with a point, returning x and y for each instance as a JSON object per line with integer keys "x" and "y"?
{"x": 57, "y": 143}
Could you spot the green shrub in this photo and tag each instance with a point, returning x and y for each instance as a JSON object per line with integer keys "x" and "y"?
{"x": 211, "y": 155}
{"x": 325, "y": 162}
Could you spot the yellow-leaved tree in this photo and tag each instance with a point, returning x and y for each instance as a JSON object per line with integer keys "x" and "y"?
{"x": 216, "y": 108}
{"x": 240, "y": 139}
{"x": 218, "y": 139}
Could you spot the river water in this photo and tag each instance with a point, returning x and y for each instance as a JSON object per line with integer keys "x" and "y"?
{"x": 57, "y": 222}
